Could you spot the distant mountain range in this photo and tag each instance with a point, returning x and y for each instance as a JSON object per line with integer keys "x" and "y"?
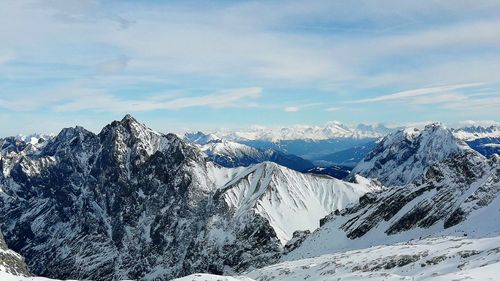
{"x": 232, "y": 154}
{"x": 485, "y": 140}
{"x": 332, "y": 130}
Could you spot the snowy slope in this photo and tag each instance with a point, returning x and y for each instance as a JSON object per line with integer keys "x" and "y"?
{"x": 485, "y": 140}
{"x": 289, "y": 200}
{"x": 437, "y": 258}
{"x": 4, "y": 276}
{"x": 211, "y": 277}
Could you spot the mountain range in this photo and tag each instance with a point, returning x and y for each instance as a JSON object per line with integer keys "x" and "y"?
{"x": 133, "y": 203}
{"x": 130, "y": 202}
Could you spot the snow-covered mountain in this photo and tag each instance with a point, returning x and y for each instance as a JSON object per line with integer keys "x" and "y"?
{"x": 232, "y": 154}
{"x": 330, "y": 131}
{"x": 309, "y": 142}
{"x": 201, "y": 138}
{"x": 485, "y": 140}
{"x": 130, "y": 202}
{"x": 402, "y": 156}
{"x": 453, "y": 190}
{"x": 274, "y": 191}
{"x": 477, "y": 132}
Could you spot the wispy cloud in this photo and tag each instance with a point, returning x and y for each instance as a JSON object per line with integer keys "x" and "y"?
{"x": 415, "y": 93}
{"x": 112, "y": 66}
{"x": 301, "y": 107}
{"x": 98, "y": 101}
{"x": 291, "y": 109}
{"x": 332, "y": 109}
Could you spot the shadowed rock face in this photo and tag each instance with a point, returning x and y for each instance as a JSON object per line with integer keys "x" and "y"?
{"x": 446, "y": 193}
{"x": 126, "y": 203}
{"x": 10, "y": 261}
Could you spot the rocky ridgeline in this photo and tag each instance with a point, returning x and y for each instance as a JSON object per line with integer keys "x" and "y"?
{"x": 131, "y": 203}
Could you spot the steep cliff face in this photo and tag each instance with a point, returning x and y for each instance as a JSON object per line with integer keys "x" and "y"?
{"x": 11, "y": 262}
{"x": 131, "y": 203}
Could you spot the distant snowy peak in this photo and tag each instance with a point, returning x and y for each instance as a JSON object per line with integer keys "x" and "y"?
{"x": 477, "y": 132}
{"x": 201, "y": 138}
{"x": 233, "y": 154}
{"x": 289, "y": 200}
{"x": 403, "y": 156}
{"x": 329, "y": 131}
{"x": 34, "y": 139}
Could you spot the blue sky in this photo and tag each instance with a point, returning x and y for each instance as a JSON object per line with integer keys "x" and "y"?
{"x": 179, "y": 65}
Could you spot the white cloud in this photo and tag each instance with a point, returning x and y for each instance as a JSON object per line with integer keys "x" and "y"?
{"x": 6, "y": 56}
{"x": 332, "y": 109}
{"x": 113, "y": 66}
{"x": 292, "y": 109}
{"x": 410, "y": 94}
{"x": 293, "y": 44}
{"x": 302, "y": 106}
{"x": 99, "y": 101}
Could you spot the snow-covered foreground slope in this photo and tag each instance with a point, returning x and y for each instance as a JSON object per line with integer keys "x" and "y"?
{"x": 211, "y": 277}
{"x": 437, "y": 258}
{"x": 427, "y": 259}
{"x": 289, "y": 200}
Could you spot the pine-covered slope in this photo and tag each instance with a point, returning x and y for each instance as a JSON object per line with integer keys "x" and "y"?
{"x": 131, "y": 203}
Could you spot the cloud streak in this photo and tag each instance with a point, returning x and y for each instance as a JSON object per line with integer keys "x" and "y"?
{"x": 415, "y": 93}
{"x": 97, "y": 101}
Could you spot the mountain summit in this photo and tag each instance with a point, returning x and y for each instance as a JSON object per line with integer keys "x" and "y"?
{"x": 402, "y": 157}
{"x": 132, "y": 203}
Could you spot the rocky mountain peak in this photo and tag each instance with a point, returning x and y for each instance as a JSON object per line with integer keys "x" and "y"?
{"x": 402, "y": 157}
